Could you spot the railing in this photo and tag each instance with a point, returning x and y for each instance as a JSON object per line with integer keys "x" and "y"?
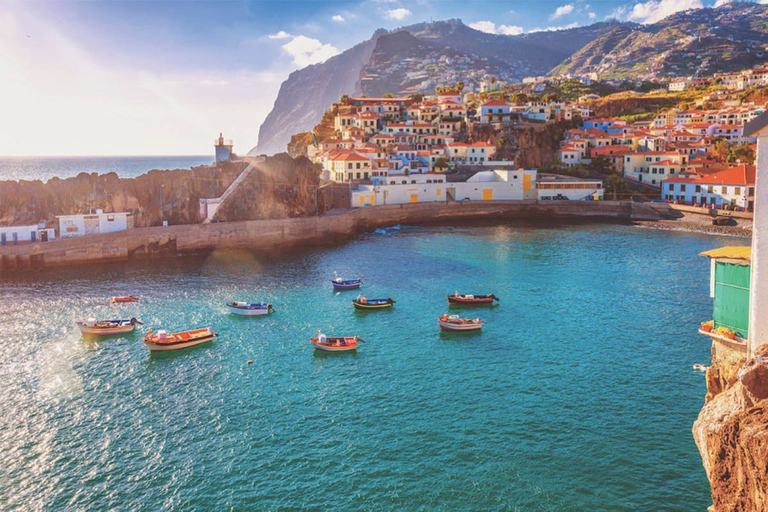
{"x": 222, "y": 142}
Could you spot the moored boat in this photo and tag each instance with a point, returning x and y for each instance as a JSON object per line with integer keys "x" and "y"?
{"x": 363, "y": 303}
{"x": 119, "y": 299}
{"x": 471, "y": 299}
{"x": 346, "y": 284}
{"x": 335, "y": 343}
{"x": 249, "y": 308}
{"x": 162, "y": 341}
{"x": 107, "y": 327}
{"x": 455, "y": 323}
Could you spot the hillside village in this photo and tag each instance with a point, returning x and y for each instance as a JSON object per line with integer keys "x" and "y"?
{"x": 389, "y": 149}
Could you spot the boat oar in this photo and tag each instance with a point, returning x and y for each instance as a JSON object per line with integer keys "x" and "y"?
{"x": 362, "y": 340}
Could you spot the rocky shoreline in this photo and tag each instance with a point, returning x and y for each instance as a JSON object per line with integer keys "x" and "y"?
{"x": 693, "y": 223}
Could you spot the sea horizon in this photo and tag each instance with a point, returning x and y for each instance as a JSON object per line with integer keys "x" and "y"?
{"x": 43, "y": 168}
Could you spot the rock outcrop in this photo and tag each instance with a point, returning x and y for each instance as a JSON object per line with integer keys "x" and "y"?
{"x": 731, "y": 431}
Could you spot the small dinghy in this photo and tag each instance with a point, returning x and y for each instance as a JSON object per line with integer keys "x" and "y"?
{"x": 249, "y": 309}
{"x": 107, "y": 327}
{"x": 119, "y": 299}
{"x": 454, "y": 323}
{"x": 334, "y": 343}
{"x": 471, "y": 299}
{"x": 348, "y": 284}
{"x": 163, "y": 341}
{"x": 363, "y": 303}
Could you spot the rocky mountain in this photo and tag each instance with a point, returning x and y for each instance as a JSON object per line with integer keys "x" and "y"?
{"x": 688, "y": 43}
{"x": 414, "y": 58}
{"x": 419, "y": 57}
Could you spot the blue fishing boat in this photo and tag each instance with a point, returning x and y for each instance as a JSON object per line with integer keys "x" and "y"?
{"x": 346, "y": 284}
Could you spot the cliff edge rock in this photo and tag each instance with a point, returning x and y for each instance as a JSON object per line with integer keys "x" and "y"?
{"x": 731, "y": 433}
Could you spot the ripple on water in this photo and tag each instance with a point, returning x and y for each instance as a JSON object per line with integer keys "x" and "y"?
{"x": 577, "y": 395}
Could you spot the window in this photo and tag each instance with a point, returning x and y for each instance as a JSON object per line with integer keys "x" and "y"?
{"x": 682, "y": 187}
{"x": 698, "y": 188}
{"x": 724, "y": 190}
{"x": 737, "y": 191}
{"x": 72, "y": 229}
{"x": 710, "y": 189}
{"x": 111, "y": 218}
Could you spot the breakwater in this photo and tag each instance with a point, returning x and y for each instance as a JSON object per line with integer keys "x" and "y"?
{"x": 272, "y": 234}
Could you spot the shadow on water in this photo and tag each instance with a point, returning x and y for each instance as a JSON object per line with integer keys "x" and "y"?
{"x": 459, "y": 336}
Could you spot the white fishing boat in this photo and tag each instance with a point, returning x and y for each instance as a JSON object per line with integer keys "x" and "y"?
{"x": 249, "y": 309}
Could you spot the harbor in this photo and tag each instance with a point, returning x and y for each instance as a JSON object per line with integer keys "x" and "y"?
{"x": 556, "y": 366}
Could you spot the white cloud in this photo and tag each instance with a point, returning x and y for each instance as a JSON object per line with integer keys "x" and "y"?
{"x": 398, "y": 14}
{"x": 306, "y": 51}
{"x": 280, "y": 35}
{"x": 489, "y": 27}
{"x": 563, "y": 10}
{"x": 592, "y": 15}
{"x": 338, "y": 18}
{"x": 654, "y": 10}
{"x": 553, "y": 29}
{"x": 721, "y": 3}
{"x": 510, "y": 30}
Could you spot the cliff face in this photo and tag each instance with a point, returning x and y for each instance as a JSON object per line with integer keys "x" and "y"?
{"x": 456, "y": 52}
{"x": 305, "y": 95}
{"x": 533, "y": 145}
{"x": 731, "y": 431}
{"x": 279, "y": 187}
{"x": 170, "y": 195}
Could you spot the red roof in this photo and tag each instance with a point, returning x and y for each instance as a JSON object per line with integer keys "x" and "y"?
{"x": 494, "y": 103}
{"x": 743, "y": 175}
{"x": 349, "y": 155}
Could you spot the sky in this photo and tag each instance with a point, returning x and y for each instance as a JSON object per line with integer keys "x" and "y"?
{"x": 165, "y": 78}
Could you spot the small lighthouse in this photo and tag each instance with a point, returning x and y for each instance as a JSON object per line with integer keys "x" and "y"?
{"x": 223, "y": 149}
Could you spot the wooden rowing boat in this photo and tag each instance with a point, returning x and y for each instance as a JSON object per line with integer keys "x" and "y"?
{"x": 162, "y": 341}
{"x": 363, "y": 303}
{"x": 94, "y": 327}
{"x": 334, "y": 343}
{"x": 454, "y": 323}
{"x": 471, "y": 299}
{"x": 119, "y": 299}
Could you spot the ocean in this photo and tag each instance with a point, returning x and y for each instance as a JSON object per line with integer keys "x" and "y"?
{"x": 45, "y": 168}
{"x": 578, "y": 395}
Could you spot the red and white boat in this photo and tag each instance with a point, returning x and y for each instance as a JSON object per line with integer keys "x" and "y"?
{"x": 119, "y": 299}
{"x": 162, "y": 341}
{"x": 454, "y": 323}
{"x": 471, "y": 299}
{"x": 335, "y": 343}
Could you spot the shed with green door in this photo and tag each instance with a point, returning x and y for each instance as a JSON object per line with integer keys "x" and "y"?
{"x": 729, "y": 287}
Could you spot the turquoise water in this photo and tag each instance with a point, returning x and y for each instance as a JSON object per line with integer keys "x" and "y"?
{"x": 46, "y": 167}
{"x": 578, "y": 395}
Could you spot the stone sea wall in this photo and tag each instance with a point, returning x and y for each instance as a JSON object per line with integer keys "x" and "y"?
{"x": 269, "y": 235}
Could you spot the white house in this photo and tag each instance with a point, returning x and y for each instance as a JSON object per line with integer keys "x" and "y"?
{"x": 555, "y": 186}
{"x": 93, "y": 223}
{"x": 495, "y": 111}
{"x": 733, "y": 188}
{"x": 25, "y": 234}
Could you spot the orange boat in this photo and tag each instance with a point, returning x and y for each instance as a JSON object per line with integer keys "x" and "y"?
{"x": 118, "y": 299}
{"x": 163, "y": 341}
{"x": 335, "y": 343}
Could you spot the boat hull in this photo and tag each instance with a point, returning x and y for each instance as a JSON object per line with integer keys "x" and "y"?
{"x": 459, "y": 301}
{"x": 155, "y": 347}
{"x": 448, "y": 326}
{"x": 369, "y": 306}
{"x": 351, "y": 345}
{"x": 123, "y": 300}
{"x": 179, "y": 340}
{"x": 105, "y": 331}
{"x": 346, "y": 285}
{"x": 249, "y": 312}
